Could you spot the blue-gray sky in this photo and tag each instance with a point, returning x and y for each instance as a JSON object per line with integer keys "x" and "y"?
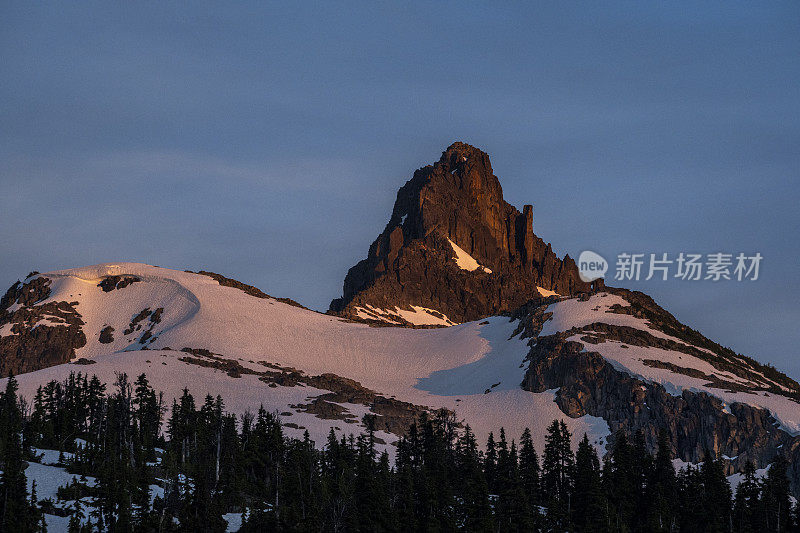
{"x": 267, "y": 141}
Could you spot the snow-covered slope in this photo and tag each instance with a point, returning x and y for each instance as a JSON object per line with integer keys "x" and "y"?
{"x": 466, "y": 261}
{"x": 678, "y": 365}
{"x": 417, "y": 316}
{"x": 216, "y": 336}
{"x": 474, "y": 369}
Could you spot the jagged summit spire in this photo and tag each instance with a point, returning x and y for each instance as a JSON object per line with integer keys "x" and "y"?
{"x": 459, "y": 152}
{"x": 454, "y": 245}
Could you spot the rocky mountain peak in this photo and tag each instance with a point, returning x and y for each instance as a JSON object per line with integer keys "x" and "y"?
{"x": 455, "y": 246}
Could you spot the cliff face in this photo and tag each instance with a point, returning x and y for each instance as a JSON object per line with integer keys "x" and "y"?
{"x": 621, "y": 357}
{"x": 36, "y": 336}
{"x": 496, "y": 265}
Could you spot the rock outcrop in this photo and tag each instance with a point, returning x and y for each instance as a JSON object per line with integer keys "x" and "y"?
{"x": 697, "y": 422}
{"x": 33, "y": 334}
{"x": 499, "y": 266}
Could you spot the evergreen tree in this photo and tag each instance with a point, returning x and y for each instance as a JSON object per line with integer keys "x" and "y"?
{"x": 716, "y": 495}
{"x": 622, "y": 484}
{"x": 557, "y": 471}
{"x": 588, "y": 502}
{"x": 691, "y": 516}
{"x": 371, "y": 495}
{"x": 474, "y": 511}
{"x": 529, "y": 469}
{"x": 512, "y": 512}
{"x": 642, "y": 473}
{"x": 490, "y": 463}
{"x": 338, "y": 484}
{"x": 746, "y": 502}
{"x": 116, "y": 475}
{"x": 148, "y": 411}
{"x": 35, "y": 514}
{"x": 662, "y": 489}
{"x": 14, "y": 505}
{"x": 775, "y": 503}
{"x": 405, "y": 509}
{"x": 76, "y": 518}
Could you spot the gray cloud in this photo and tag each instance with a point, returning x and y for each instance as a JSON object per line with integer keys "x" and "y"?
{"x": 268, "y": 142}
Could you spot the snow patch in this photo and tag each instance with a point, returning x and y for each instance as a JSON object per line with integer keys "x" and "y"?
{"x": 545, "y": 292}
{"x": 424, "y": 316}
{"x": 738, "y": 477}
{"x": 5, "y": 330}
{"x": 50, "y": 478}
{"x": 420, "y": 316}
{"x": 466, "y": 261}
{"x": 575, "y": 313}
{"x": 234, "y": 521}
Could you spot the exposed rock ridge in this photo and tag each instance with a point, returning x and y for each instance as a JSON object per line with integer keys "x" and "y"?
{"x": 696, "y": 421}
{"x": 387, "y": 414}
{"x": 244, "y": 287}
{"x": 36, "y": 335}
{"x": 412, "y": 262}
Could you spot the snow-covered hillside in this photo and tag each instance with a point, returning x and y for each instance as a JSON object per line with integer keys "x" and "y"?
{"x": 216, "y": 336}
{"x": 474, "y": 369}
{"x": 677, "y": 365}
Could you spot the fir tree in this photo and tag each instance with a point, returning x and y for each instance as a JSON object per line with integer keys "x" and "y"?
{"x": 588, "y": 503}
{"x": 490, "y": 463}
{"x": 557, "y": 471}
{"x": 662, "y": 488}
{"x": 622, "y": 483}
{"x": 474, "y": 511}
{"x": 746, "y": 502}
{"x": 691, "y": 518}
{"x": 529, "y": 469}
{"x": 14, "y": 505}
{"x": 716, "y": 495}
{"x": 148, "y": 411}
{"x": 339, "y": 482}
{"x": 775, "y": 503}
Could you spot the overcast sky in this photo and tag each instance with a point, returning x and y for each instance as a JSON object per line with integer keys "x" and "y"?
{"x": 267, "y": 142}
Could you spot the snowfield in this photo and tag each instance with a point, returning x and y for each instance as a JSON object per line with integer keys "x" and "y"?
{"x": 574, "y": 313}
{"x": 474, "y": 368}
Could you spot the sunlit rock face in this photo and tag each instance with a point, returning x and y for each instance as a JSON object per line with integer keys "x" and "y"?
{"x": 454, "y": 245}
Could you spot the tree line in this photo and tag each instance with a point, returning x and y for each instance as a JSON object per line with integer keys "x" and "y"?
{"x": 208, "y": 463}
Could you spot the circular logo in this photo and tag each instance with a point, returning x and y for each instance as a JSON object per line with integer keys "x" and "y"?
{"x": 591, "y": 266}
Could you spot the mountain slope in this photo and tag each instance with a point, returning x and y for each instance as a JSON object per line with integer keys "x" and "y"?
{"x": 607, "y": 361}
{"x": 617, "y": 355}
{"x": 255, "y": 350}
{"x": 504, "y": 333}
